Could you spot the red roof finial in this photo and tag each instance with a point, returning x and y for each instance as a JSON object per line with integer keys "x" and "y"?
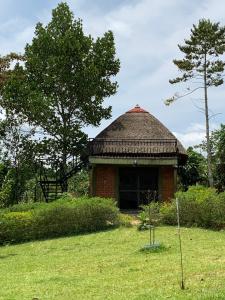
{"x": 137, "y": 109}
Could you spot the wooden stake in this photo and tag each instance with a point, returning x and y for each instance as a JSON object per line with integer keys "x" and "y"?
{"x": 180, "y": 245}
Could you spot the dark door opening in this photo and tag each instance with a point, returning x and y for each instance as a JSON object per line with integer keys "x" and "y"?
{"x": 134, "y": 184}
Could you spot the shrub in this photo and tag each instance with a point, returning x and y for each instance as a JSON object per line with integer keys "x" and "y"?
{"x": 63, "y": 217}
{"x": 16, "y": 227}
{"x": 79, "y": 183}
{"x": 197, "y": 193}
{"x": 74, "y": 217}
{"x": 199, "y": 206}
{"x": 125, "y": 220}
{"x": 32, "y": 191}
{"x": 150, "y": 215}
{"x": 168, "y": 214}
{"x": 14, "y": 184}
{"x": 7, "y": 190}
{"x": 219, "y": 213}
{"x": 21, "y": 207}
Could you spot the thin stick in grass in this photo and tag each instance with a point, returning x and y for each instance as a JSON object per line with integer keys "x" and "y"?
{"x": 180, "y": 246}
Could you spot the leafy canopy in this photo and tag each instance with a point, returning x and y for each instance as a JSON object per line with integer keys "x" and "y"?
{"x": 202, "y": 53}
{"x": 194, "y": 171}
{"x": 218, "y": 147}
{"x": 63, "y": 82}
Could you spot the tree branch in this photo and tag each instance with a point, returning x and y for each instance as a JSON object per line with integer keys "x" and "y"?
{"x": 176, "y": 97}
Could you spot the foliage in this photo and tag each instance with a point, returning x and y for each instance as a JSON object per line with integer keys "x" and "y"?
{"x": 168, "y": 213}
{"x": 18, "y": 159}
{"x": 155, "y": 248}
{"x": 32, "y": 191}
{"x": 63, "y": 217}
{"x": 5, "y": 67}
{"x": 125, "y": 220}
{"x": 16, "y": 227}
{"x": 8, "y": 190}
{"x": 79, "y": 183}
{"x": 218, "y": 144}
{"x": 194, "y": 171}
{"x": 203, "y": 61}
{"x": 150, "y": 215}
{"x": 217, "y": 141}
{"x": 199, "y": 206}
{"x": 62, "y": 84}
{"x": 202, "y": 50}
{"x": 26, "y": 206}
{"x": 3, "y": 172}
{"x": 16, "y": 141}
{"x": 15, "y": 185}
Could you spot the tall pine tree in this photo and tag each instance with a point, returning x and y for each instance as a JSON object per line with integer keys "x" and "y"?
{"x": 202, "y": 61}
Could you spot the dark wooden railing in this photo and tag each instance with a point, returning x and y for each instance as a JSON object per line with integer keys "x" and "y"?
{"x": 53, "y": 183}
{"x": 132, "y": 146}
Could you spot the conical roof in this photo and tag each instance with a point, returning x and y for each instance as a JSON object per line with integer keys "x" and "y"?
{"x": 142, "y": 128}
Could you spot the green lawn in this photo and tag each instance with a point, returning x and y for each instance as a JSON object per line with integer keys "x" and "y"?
{"x": 109, "y": 265}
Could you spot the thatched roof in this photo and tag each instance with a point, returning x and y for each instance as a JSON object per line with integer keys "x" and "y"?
{"x": 137, "y": 132}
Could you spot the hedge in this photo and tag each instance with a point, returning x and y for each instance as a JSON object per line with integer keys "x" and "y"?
{"x": 199, "y": 206}
{"x": 59, "y": 218}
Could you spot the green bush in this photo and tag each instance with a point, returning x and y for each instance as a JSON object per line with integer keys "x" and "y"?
{"x": 125, "y": 220}
{"x": 13, "y": 185}
{"x": 150, "y": 215}
{"x": 79, "y": 183}
{"x": 220, "y": 211}
{"x": 168, "y": 214}
{"x": 32, "y": 191}
{"x": 8, "y": 190}
{"x": 197, "y": 193}
{"x": 63, "y": 217}
{"x": 199, "y": 206}
{"x": 27, "y": 206}
{"x": 16, "y": 227}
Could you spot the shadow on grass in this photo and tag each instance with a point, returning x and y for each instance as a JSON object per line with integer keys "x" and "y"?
{"x": 7, "y": 256}
{"x": 59, "y": 236}
{"x": 154, "y": 248}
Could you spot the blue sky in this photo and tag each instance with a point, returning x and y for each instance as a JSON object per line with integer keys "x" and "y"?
{"x": 146, "y": 33}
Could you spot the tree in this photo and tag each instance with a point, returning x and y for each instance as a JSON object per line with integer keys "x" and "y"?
{"x": 79, "y": 183}
{"x": 62, "y": 85}
{"x": 194, "y": 171}
{"x": 5, "y": 67}
{"x": 3, "y": 172}
{"x": 18, "y": 157}
{"x": 218, "y": 148}
{"x": 201, "y": 61}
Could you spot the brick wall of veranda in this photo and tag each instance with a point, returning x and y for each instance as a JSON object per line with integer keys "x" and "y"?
{"x": 104, "y": 179}
{"x": 168, "y": 184}
{"x": 103, "y": 182}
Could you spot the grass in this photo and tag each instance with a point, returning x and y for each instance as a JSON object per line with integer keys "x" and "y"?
{"x": 110, "y": 265}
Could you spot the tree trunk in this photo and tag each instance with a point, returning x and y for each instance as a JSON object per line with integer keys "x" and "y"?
{"x": 63, "y": 172}
{"x": 64, "y": 152}
{"x": 209, "y": 154}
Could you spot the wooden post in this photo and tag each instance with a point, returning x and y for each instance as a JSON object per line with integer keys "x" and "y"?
{"x": 180, "y": 246}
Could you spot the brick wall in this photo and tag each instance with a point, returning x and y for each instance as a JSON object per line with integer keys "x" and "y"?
{"x": 168, "y": 184}
{"x": 105, "y": 181}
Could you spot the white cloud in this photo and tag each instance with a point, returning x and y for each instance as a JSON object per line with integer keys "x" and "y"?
{"x": 146, "y": 33}
{"x": 194, "y": 134}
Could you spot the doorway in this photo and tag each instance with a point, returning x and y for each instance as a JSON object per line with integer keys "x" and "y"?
{"x": 134, "y": 185}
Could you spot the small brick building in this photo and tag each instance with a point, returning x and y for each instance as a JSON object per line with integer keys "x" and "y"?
{"x": 135, "y": 155}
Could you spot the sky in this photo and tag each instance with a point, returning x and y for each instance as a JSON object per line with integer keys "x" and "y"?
{"x": 147, "y": 33}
